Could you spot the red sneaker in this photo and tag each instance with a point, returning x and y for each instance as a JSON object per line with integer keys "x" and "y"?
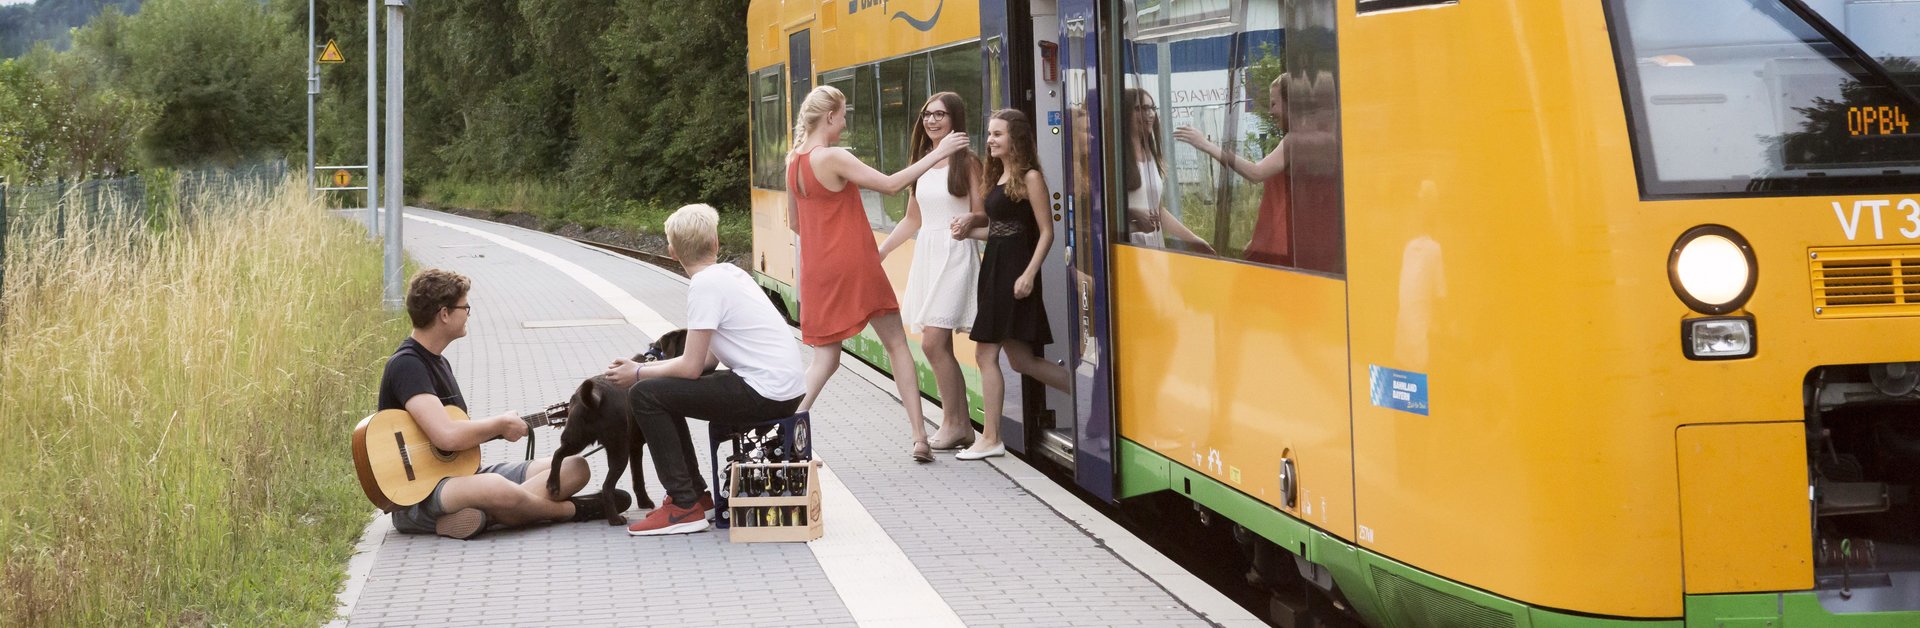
{"x": 670, "y": 518}
{"x": 706, "y": 500}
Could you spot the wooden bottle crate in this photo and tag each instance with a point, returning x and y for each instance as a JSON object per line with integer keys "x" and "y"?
{"x": 749, "y": 514}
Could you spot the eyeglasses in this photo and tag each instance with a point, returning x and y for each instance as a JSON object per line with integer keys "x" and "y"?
{"x": 935, "y": 116}
{"x": 468, "y": 308}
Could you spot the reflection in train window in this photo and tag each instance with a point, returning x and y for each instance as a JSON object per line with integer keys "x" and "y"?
{"x": 1195, "y": 83}
{"x": 1207, "y": 164}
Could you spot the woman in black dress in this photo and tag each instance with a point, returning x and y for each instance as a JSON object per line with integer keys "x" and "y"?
{"x": 1018, "y": 235}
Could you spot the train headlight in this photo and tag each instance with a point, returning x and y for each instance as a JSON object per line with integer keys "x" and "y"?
{"x": 1718, "y": 338}
{"x": 1712, "y": 269}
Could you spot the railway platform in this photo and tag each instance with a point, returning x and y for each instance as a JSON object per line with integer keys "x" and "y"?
{"x": 945, "y": 544}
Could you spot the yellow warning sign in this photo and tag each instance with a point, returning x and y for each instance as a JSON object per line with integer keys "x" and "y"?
{"x": 342, "y": 178}
{"x": 332, "y": 54}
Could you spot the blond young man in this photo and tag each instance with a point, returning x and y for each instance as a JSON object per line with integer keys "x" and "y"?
{"x": 730, "y": 322}
{"x": 419, "y": 380}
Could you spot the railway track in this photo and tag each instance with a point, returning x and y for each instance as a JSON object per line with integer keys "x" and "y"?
{"x": 650, "y": 258}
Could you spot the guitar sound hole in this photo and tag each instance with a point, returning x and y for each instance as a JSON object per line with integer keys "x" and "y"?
{"x": 444, "y": 456}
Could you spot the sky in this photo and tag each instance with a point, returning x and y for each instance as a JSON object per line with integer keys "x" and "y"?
{"x": 16, "y": 1}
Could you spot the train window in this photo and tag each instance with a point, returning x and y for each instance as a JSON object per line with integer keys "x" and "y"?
{"x": 862, "y": 136}
{"x": 1257, "y": 220}
{"x": 1209, "y": 165}
{"x": 1376, "y": 6}
{"x": 769, "y": 129}
{"x": 1151, "y": 18}
{"x": 957, "y": 70}
{"x": 1753, "y": 97}
{"x": 897, "y": 106}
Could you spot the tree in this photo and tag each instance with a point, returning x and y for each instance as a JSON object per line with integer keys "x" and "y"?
{"x": 224, "y": 76}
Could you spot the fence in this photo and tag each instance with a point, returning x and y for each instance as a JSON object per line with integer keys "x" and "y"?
{"x": 135, "y": 201}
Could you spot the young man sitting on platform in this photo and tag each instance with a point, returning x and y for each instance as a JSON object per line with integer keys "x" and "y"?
{"x": 731, "y": 322}
{"x": 419, "y": 380}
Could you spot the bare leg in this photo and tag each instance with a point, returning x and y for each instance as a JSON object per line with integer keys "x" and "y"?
{"x": 900, "y": 359}
{"x": 574, "y": 474}
{"x": 938, "y": 344}
{"x": 1020, "y": 356}
{"x": 826, "y": 360}
{"x": 993, "y": 392}
{"x": 503, "y": 501}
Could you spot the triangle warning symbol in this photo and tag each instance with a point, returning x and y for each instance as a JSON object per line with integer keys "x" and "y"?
{"x": 332, "y": 54}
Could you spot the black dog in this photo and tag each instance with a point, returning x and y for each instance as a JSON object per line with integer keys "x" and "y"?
{"x": 600, "y": 413}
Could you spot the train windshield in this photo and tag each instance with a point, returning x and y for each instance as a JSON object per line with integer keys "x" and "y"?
{"x": 1771, "y": 97}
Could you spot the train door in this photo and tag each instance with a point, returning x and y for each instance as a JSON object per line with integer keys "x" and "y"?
{"x": 1068, "y": 73}
{"x": 799, "y": 82}
{"x": 1051, "y": 427}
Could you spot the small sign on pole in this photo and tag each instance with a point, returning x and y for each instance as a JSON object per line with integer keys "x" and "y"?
{"x": 332, "y": 53}
{"x": 342, "y": 178}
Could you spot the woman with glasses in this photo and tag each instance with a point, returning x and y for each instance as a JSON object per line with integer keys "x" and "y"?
{"x": 842, "y": 287}
{"x": 940, "y": 285}
{"x": 1148, "y": 221}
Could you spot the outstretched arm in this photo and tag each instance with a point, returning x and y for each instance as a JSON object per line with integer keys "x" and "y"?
{"x": 694, "y": 361}
{"x": 904, "y": 231}
{"x": 844, "y": 165}
{"x": 450, "y": 435}
{"x": 1273, "y": 164}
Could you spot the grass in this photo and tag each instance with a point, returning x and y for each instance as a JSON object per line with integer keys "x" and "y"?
{"x": 177, "y": 402}
{"x": 558, "y": 205}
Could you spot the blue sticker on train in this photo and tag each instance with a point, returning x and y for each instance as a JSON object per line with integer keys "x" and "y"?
{"x": 1398, "y": 390}
{"x": 1053, "y": 118}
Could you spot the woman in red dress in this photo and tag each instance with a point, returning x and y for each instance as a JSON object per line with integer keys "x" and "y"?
{"x": 842, "y": 286}
{"x": 1272, "y": 242}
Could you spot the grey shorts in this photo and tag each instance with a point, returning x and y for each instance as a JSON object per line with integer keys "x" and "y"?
{"x": 420, "y": 518}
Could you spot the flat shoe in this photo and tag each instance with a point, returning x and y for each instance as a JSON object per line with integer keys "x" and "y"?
{"x": 922, "y": 453}
{"x": 958, "y": 443}
{"x": 998, "y": 450}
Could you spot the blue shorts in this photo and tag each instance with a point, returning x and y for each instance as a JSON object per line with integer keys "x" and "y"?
{"x": 420, "y": 518}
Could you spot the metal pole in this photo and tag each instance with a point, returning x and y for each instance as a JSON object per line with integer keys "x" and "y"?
{"x": 396, "y": 151}
{"x": 60, "y": 203}
{"x": 313, "y": 90}
{"x": 373, "y": 119}
{"x": 3, "y": 237}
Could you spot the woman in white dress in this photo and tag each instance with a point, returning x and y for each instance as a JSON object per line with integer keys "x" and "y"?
{"x": 941, "y": 288}
{"x": 1148, "y": 221}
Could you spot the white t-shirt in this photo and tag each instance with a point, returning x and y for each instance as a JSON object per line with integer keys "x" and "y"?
{"x": 748, "y": 334}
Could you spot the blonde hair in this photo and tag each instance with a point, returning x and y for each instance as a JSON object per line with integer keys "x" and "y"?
{"x": 691, "y": 231}
{"x": 821, "y": 101}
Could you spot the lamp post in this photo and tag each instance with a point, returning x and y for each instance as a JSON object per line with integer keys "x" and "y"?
{"x": 396, "y": 153}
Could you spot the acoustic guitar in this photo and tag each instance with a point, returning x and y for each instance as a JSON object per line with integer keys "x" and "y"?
{"x": 399, "y": 467}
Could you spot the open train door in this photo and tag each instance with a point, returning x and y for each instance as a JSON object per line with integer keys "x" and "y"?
{"x": 1041, "y": 58}
{"x": 1075, "y": 64}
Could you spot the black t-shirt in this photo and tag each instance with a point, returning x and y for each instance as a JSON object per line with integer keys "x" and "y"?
{"x": 413, "y": 370}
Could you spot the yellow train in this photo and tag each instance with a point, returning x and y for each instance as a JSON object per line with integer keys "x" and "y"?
{"x": 1486, "y": 351}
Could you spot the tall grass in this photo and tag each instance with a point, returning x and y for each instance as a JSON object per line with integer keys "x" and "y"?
{"x": 175, "y": 407}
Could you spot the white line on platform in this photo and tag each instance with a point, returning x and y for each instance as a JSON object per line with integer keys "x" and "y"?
{"x": 650, "y": 322}
{"x": 1205, "y": 600}
{"x": 879, "y": 585}
{"x": 875, "y": 579}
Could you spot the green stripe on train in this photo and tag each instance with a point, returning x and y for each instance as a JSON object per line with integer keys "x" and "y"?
{"x": 1391, "y": 593}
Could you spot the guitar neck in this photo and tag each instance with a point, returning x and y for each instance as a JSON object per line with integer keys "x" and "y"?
{"x": 542, "y": 418}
